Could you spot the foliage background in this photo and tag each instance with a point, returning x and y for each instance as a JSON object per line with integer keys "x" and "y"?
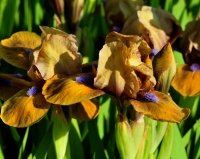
{"x": 93, "y": 139}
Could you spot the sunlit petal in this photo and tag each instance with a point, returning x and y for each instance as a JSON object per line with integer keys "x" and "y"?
{"x": 22, "y": 111}
{"x": 163, "y": 109}
{"x": 58, "y": 55}
{"x": 156, "y": 26}
{"x": 65, "y": 90}
{"x": 86, "y": 110}
{"x": 186, "y": 82}
{"x": 50, "y": 30}
{"x": 112, "y": 73}
{"x": 9, "y": 86}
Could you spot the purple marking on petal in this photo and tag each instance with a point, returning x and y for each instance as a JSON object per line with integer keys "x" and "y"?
{"x": 33, "y": 90}
{"x": 85, "y": 79}
{"x": 153, "y": 52}
{"x": 150, "y": 97}
{"x": 18, "y": 75}
{"x": 195, "y": 67}
{"x": 5, "y": 82}
{"x": 29, "y": 50}
{"x": 117, "y": 29}
{"x": 88, "y": 68}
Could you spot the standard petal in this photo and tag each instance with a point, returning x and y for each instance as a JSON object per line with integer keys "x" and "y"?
{"x": 58, "y": 55}
{"x": 9, "y": 86}
{"x": 164, "y": 109}
{"x": 86, "y": 110}
{"x": 113, "y": 74}
{"x": 64, "y": 90}
{"x": 49, "y": 30}
{"x": 156, "y": 26}
{"x": 186, "y": 82}
{"x": 22, "y": 110}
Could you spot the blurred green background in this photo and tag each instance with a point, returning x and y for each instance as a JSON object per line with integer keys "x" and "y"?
{"x": 93, "y": 139}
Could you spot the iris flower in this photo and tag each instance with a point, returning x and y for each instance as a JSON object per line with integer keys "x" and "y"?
{"x": 186, "y": 80}
{"x": 24, "y": 103}
{"x": 59, "y": 61}
{"x": 156, "y": 26}
{"x": 125, "y": 73}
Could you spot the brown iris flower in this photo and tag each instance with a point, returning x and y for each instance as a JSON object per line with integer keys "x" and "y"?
{"x": 186, "y": 80}
{"x": 125, "y": 73}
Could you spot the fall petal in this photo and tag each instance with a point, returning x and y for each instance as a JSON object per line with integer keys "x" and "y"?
{"x": 86, "y": 110}
{"x": 58, "y": 55}
{"x": 64, "y": 90}
{"x": 9, "y": 86}
{"x": 186, "y": 82}
{"x": 22, "y": 110}
{"x": 113, "y": 73}
{"x": 164, "y": 109}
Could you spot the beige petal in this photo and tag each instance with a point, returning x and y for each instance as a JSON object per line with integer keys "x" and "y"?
{"x": 113, "y": 74}
{"x": 155, "y": 25}
{"x": 58, "y": 55}
{"x": 22, "y": 110}
{"x": 164, "y": 109}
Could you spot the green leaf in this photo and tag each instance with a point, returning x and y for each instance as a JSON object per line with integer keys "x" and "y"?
{"x": 167, "y": 143}
{"x": 97, "y": 148}
{"x": 22, "y": 148}
{"x": 41, "y": 150}
{"x": 61, "y": 127}
{"x": 178, "y": 150}
{"x": 75, "y": 141}
{"x": 196, "y": 154}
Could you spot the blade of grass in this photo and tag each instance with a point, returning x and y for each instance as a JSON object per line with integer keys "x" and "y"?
{"x": 95, "y": 141}
{"x": 23, "y": 145}
{"x": 178, "y": 150}
{"x": 75, "y": 141}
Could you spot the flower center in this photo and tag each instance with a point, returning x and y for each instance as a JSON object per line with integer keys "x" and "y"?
{"x": 117, "y": 29}
{"x": 85, "y": 79}
{"x": 5, "y": 82}
{"x": 33, "y": 90}
{"x": 18, "y": 75}
{"x": 150, "y": 97}
{"x": 195, "y": 67}
{"x": 29, "y": 50}
{"x": 153, "y": 53}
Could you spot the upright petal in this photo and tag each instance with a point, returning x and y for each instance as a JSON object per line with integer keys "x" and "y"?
{"x": 156, "y": 26}
{"x": 58, "y": 55}
{"x": 113, "y": 74}
{"x": 65, "y": 90}
{"x": 163, "y": 108}
{"x": 22, "y": 110}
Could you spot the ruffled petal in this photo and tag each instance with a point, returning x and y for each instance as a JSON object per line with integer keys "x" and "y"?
{"x": 22, "y": 110}
{"x": 113, "y": 74}
{"x": 163, "y": 109}
{"x": 86, "y": 110}
{"x": 9, "y": 86}
{"x": 64, "y": 90}
{"x": 186, "y": 82}
{"x": 156, "y": 26}
{"x": 58, "y": 55}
